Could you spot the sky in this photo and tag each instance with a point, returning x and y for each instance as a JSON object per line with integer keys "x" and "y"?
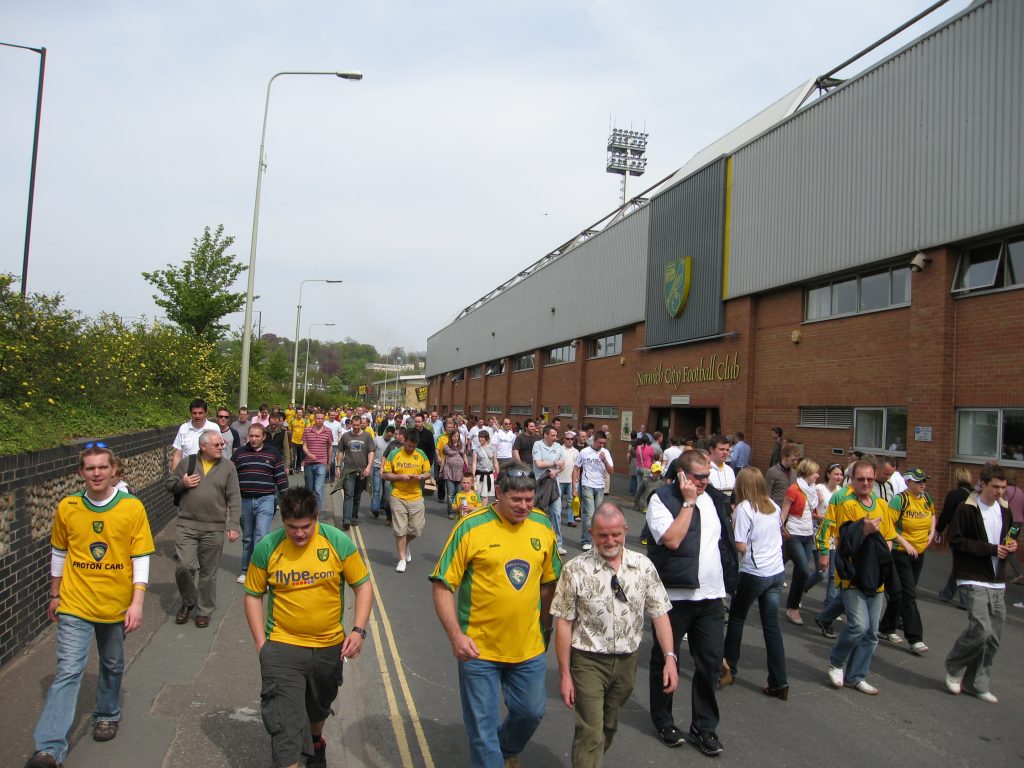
{"x": 474, "y": 145}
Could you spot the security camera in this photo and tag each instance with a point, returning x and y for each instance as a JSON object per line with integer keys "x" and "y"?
{"x": 917, "y": 264}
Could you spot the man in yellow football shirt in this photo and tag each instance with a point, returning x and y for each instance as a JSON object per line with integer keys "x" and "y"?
{"x": 406, "y": 468}
{"x": 302, "y": 568}
{"x": 99, "y": 568}
{"x": 504, "y": 562}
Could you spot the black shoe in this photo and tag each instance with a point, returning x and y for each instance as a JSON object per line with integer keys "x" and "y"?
{"x": 826, "y": 631}
{"x": 671, "y": 736}
{"x": 375, "y": 512}
{"x": 319, "y": 757}
{"x": 706, "y": 741}
{"x": 355, "y": 522}
{"x": 345, "y": 526}
{"x": 42, "y": 760}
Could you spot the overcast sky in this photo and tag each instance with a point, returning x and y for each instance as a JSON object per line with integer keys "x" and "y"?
{"x": 474, "y": 145}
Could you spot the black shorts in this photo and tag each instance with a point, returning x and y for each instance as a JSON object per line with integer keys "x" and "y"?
{"x": 299, "y": 686}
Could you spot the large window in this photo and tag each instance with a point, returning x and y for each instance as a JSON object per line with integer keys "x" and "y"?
{"x": 494, "y": 409}
{"x": 458, "y": 408}
{"x": 602, "y": 412}
{"x": 558, "y": 355}
{"x": 867, "y": 292}
{"x": 990, "y": 266}
{"x": 880, "y": 430}
{"x": 523, "y": 362}
{"x": 520, "y": 410}
{"x": 826, "y": 416}
{"x": 495, "y": 367}
{"x": 990, "y": 433}
{"x": 566, "y": 410}
{"x": 476, "y": 372}
{"x": 606, "y": 346}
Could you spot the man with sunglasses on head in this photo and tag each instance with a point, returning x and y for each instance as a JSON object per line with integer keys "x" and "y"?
{"x": 691, "y": 545}
{"x": 599, "y": 607}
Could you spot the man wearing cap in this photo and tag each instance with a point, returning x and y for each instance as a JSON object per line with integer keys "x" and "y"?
{"x": 914, "y": 518}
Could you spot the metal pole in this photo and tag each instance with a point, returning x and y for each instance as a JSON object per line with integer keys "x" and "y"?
{"x": 295, "y": 362}
{"x": 305, "y": 375}
{"x": 243, "y": 378}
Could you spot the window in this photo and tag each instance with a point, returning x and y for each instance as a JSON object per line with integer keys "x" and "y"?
{"x": 520, "y": 410}
{"x": 558, "y": 355}
{"x": 495, "y": 367}
{"x": 882, "y": 430}
{"x": 606, "y": 346}
{"x": 602, "y": 412}
{"x": 458, "y": 376}
{"x": 458, "y": 408}
{"x": 826, "y": 417}
{"x": 474, "y": 409}
{"x": 990, "y": 433}
{"x": 476, "y": 372}
{"x": 566, "y": 410}
{"x": 495, "y": 409}
{"x": 523, "y": 362}
{"x": 868, "y": 292}
{"x": 991, "y": 266}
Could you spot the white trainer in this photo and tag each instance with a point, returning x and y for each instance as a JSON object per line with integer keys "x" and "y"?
{"x": 918, "y": 648}
{"x": 865, "y": 687}
{"x": 401, "y": 566}
{"x": 835, "y": 676}
{"x": 241, "y": 578}
{"x": 953, "y": 684}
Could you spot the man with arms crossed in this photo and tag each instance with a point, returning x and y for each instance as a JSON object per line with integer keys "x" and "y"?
{"x": 303, "y": 566}
{"x": 599, "y": 609}
{"x": 99, "y": 569}
{"x": 503, "y": 561}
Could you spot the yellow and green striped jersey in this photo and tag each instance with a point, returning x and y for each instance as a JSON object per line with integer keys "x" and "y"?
{"x": 498, "y": 568}
{"x": 912, "y": 518}
{"x": 306, "y": 596}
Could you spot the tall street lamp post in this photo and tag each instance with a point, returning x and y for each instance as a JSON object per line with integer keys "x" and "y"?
{"x": 243, "y": 379}
{"x": 298, "y": 319}
{"x": 305, "y": 374}
{"x": 35, "y": 155}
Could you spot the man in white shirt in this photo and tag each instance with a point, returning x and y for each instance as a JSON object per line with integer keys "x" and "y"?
{"x": 722, "y": 475}
{"x": 474, "y": 432}
{"x": 548, "y": 462}
{"x": 504, "y": 438}
{"x": 673, "y": 452}
{"x": 186, "y": 442}
{"x": 593, "y": 465}
{"x": 693, "y": 549}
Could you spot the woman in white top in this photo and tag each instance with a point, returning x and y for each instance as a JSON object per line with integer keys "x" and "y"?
{"x": 759, "y": 541}
{"x": 483, "y": 463}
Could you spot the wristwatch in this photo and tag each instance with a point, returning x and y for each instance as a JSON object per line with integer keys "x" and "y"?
{"x": 359, "y": 631}
{"x": 686, "y": 504}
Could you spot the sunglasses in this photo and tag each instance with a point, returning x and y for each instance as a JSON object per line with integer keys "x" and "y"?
{"x": 700, "y": 477}
{"x": 620, "y": 594}
{"x": 516, "y": 473}
{"x": 96, "y": 444}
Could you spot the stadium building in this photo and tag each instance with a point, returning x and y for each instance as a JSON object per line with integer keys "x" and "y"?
{"x": 848, "y": 268}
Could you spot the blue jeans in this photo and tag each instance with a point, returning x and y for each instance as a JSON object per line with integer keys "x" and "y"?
{"x": 257, "y": 517}
{"x": 800, "y": 549}
{"x": 566, "y": 492}
{"x": 332, "y": 466}
{"x": 833, "y": 607}
{"x": 481, "y": 683}
{"x": 378, "y": 492}
{"x": 554, "y": 512}
{"x": 859, "y": 638}
{"x": 73, "y": 639}
{"x": 590, "y": 499}
{"x": 353, "y": 484}
{"x": 316, "y": 474}
{"x": 767, "y": 590}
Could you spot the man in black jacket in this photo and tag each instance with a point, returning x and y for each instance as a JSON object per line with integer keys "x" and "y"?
{"x": 978, "y": 538}
{"x": 692, "y": 546}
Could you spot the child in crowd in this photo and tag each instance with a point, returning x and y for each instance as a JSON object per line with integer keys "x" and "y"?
{"x": 467, "y": 500}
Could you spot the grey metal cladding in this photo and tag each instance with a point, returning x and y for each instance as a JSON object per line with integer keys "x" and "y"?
{"x": 922, "y": 150}
{"x": 688, "y": 220}
{"x": 597, "y": 286}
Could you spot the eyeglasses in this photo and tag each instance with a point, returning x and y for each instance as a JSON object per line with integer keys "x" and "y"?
{"x": 698, "y": 478}
{"x": 620, "y": 594}
{"x": 96, "y": 444}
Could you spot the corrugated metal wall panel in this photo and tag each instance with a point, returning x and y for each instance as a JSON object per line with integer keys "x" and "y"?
{"x": 687, "y": 220}
{"x": 923, "y": 150}
{"x": 597, "y": 286}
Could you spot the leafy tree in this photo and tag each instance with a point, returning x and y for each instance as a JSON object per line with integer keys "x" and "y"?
{"x": 196, "y": 295}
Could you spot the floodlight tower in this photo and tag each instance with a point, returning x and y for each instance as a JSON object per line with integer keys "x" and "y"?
{"x": 626, "y": 156}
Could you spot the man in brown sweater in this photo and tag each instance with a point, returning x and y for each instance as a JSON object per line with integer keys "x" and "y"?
{"x": 210, "y": 505}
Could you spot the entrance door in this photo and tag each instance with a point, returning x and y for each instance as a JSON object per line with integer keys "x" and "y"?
{"x": 683, "y": 421}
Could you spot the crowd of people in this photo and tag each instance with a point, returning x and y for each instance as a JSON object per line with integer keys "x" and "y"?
{"x": 718, "y": 533}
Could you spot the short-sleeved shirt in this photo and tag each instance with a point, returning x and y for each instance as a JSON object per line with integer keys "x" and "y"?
{"x": 402, "y": 463}
{"x": 851, "y": 510}
{"x": 592, "y": 469}
{"x": 603, "y": 623}
{"x": 306, "y": 597}
{"x": 297, "y": 426}
{"x": 541, "y": 452}
{"x": 762, "y": 536}
{"x": 318, "y": 443}
{"x": 912, "y": 519}
{"x": 187, "y": 439}
{"x": 472, "y": 499}
{"x": 498, "y": 568}
{"x": 356, "y": 449}
{"x": 503, "y": 441}
{"x": 99, "y": 544}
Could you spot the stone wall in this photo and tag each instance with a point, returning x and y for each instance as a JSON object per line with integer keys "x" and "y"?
{"x": 31, "y": 484}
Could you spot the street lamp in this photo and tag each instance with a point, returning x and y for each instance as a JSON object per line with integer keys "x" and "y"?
{"x": 243, "y": 379}
{"x": 35, "y": 154}
{"x": 298, "y": 318}
{"x": 305, "y": 373}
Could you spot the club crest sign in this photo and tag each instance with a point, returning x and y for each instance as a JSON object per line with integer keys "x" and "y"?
{"x": 517, "y": 571}
{"x": 677, "y": 285}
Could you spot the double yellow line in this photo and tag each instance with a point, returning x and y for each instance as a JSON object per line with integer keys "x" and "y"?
{"x": 397, "y": 721}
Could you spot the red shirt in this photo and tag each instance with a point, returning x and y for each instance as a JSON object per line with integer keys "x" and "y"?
{"x": 319, "y": 444}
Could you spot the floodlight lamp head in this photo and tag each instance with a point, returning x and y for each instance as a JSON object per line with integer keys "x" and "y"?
{"x": 919, "y": 262}
{"x": 349, "y": 75}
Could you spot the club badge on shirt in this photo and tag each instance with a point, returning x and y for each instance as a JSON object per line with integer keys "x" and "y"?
{"x": 518, "y": 571}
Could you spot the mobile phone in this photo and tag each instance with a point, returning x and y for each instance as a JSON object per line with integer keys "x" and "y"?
{"x": 1012, "y": 534}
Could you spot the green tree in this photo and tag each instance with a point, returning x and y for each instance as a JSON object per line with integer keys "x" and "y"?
{"x": 197, "y": 294}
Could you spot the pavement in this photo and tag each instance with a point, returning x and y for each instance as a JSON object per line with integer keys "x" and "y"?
{"x": 191, "y": 696}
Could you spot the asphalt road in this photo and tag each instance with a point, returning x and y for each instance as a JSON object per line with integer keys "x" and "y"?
{"x": 191, "y": 696}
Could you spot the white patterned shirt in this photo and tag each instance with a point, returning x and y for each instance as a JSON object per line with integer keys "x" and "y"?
{"x": 602, "y": 622}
